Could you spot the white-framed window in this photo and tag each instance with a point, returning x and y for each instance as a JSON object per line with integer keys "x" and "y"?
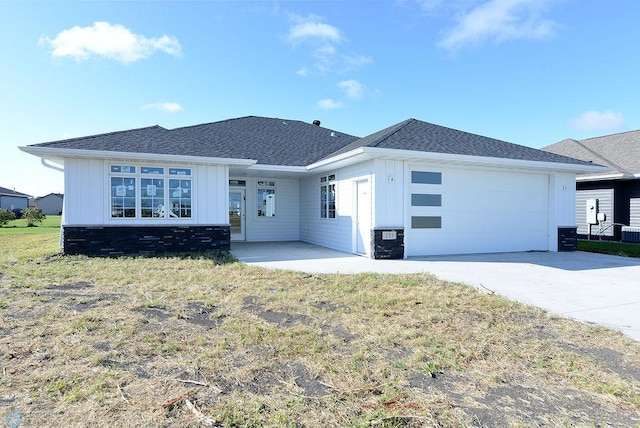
{"x": 266, "y": 191}
{"x": 328, "y": 196}
{"x": 150, "y": 192}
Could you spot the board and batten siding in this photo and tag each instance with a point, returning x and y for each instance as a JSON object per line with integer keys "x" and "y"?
{"x": 88, "y": 189}
{"x": 285, "y": 225}
{"x": 389, "y": 210}
{"x": 333, "y": 233}
{"x": 482, "y": 210}
{"x": 605, "y": 205}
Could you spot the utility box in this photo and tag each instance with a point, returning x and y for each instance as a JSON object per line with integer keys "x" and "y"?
{"x": 592, "y": 211}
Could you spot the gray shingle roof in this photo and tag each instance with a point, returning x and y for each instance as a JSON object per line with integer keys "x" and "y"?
{"x": 273, "y": 141}
{"x": 416, "y": 135}
{"x": 620, "y": 152}
{"x": 269, "y": 141}
{"x": 11, "y": 192}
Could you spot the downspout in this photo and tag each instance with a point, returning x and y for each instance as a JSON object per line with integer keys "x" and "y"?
{"x": 43, "y": 161}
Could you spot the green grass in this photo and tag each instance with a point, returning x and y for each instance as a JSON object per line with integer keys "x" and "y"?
{"x": 49, "y": 224}
{"x": 608, "y": 247}
{"x": 126, "y": 341}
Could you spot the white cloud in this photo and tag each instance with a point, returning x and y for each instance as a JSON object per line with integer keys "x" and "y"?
{"x": 302, "y": 72}
{"x": 322, "y": 41}
{"x": 597, "y": 121}
{"x": 166, "y": 107}
{"x": 310, "y": 30}
{"x": 500, "y": 20}
{"x": 329, "y": 104}
{"x": 108, "y": 41}
{"x": 354, "y": 89}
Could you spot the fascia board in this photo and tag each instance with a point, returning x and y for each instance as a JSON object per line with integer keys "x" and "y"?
{"x": 341, "y": 158}
{"x": 604, "y": 177}
{"x": 278, "y": 168}
{"x": 410, "y": 155}
{"x": 54, "y": 154}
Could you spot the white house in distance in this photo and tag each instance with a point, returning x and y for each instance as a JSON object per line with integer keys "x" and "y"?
{"x": 412, "y": 189}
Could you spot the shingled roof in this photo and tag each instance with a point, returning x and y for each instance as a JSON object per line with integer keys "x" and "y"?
{"x": 10, "y": 192}
{"x": 620, "y": 152}
{"x": 416, "y": 135}
{"x": 270, "y": 141}
{"x": 282, "y": 142}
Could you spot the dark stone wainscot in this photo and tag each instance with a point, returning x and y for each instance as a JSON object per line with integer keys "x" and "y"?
{"x": 388, "y": 243}
{"x": 113, "y": 241}
{"x": 567, "y": 238}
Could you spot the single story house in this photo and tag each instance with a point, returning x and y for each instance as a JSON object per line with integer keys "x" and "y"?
{"x": 616, "y": 190}
{"x": 411, "y": 189}
{"x": 11, "y": 200}
{"x": 50, "y": 204}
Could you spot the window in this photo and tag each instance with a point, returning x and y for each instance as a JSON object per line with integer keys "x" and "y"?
{"x": 266, "y": 198}
{"x": 328, "y": 196}
{"x": 426, "y": 222}
{"x": 425, "y": 200}
{"x": 424, "y": 177}
{"x": 152, "y": 200}
{"x": 179, "y": 193}
{"x": 123, "y": 194}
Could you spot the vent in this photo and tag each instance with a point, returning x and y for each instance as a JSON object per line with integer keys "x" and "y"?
{"x": 316, "y": 122}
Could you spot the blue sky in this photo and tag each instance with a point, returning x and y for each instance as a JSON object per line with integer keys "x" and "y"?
{"x": 531, "y": 72}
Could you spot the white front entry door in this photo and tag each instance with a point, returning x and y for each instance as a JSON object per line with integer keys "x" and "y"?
{"x": 236, "y": 214}
{"x": 363, "y": 217}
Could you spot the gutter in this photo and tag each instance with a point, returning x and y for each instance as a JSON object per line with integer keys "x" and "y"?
{"x": 408, "y": 155}
{"x": 51, "y": 153}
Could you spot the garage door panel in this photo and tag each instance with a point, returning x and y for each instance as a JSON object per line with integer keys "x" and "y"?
{"x": 484, "y": 211}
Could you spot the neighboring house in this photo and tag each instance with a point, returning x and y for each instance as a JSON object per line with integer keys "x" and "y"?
{"x": 617, "y": 190}
{"x": 50, "y": 204}
{"x": 13, "y": 201}
{"x": 411, "y": 189}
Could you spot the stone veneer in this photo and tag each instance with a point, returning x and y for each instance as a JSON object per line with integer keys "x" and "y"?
{"x": 144, "y": 240}
{"x": 388, "y": 243}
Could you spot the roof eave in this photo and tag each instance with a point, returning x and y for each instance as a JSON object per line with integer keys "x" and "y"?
{"x": 363, "y": 153}
{"x": 605, "y": 177}
{"x": 56, "y": 155}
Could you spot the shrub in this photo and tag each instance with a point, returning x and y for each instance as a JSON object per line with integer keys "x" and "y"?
{"x": 5, "y": 216}
{"x": 33, "y": 216}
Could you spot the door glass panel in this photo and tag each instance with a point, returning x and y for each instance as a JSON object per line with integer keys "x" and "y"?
{"x": 235, "y": 212}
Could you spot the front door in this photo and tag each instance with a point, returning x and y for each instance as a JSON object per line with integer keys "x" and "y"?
{"x": 236, "y": 214}
{"x": 363, "y": 217}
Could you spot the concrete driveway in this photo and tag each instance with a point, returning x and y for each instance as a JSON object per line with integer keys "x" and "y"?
{"x": 592, "y": 288}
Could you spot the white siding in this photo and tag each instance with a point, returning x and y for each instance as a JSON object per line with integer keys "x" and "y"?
{"x": 605, "y": 205}
{"x": 634, "y": 212}
{"x": 87, "y": 195}
{"x": 482, "y": 211}
{"x": 285, "y": 226}
{"x": 335, "y": 233}
{"x": 85, "y": 184}
{"x": 389, "y": 194}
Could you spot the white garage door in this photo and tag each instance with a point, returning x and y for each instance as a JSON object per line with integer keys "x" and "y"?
{"x": 457, "y": 211}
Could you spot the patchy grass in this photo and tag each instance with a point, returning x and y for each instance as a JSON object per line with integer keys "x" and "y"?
{"x": 608, "y": 247}
{"x": 182, "y": 341}
{"x": 50, "y": 224}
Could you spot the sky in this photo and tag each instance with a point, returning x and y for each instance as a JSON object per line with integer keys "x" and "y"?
{"x": 531, "y": 72}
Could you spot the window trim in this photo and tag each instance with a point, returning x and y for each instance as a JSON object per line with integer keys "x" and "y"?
{"x": 267, "y": 184}
{"x": 139, "y": 172}
{"x": 327, "y": 181}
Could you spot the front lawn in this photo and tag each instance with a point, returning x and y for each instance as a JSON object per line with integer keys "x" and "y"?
{"x": 206, "y": 341}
